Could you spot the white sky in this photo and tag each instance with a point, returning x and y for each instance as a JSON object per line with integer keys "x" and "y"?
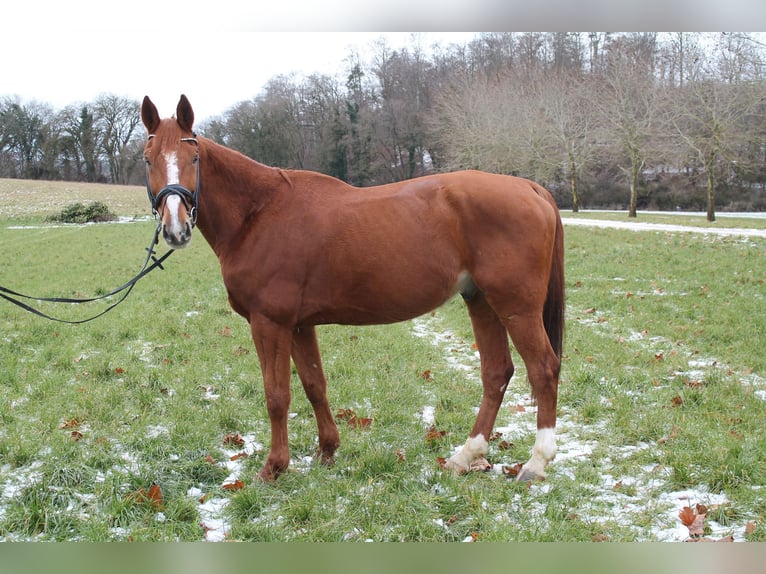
{"x": 215, "y": 72}
{"x": 221, "y": 52}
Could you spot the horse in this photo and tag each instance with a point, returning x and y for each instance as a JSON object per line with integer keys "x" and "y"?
{"x": 298, "y": 249}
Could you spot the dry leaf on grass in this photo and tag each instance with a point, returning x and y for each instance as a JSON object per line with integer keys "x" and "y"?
{"x": 234, "y": 439}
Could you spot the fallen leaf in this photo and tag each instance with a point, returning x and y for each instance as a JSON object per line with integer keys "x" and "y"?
{"x": 344, "y": 414}
{"x": 426, "y": 375}
{"x": 352, "y": 420}
{"x": 209, "y": 459}
{"x": 750, "y": 527}
{"x": 686, "y": 515}
{"x": 236, "y": 485}
{"x": 359, "y": 422}
{"x": 673, "y": 434}
{"x": 119, "y": 370}
{"x": 518, "y": 409}
{"x": 71, "y": 423}
{"x": 694, "y": 520}
{"x": 512, "y": 470}
{"x": 234, "y": 439}
{"x": 225, "y": 332}
{"x": 434, "y": 435}
{"x": 505, "y": 445}
{"x": 441, "y": 461}
{"x": 601, "y": 538}
{"x": 677, "y": 401}
{"x": 399, "y": 455}
{"x": 239, "y": 455}
{"x": 155, "y": 495}
{"x": 76, "y": 435}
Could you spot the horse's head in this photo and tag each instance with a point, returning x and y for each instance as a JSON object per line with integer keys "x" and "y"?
{"x": 172, "y": 170}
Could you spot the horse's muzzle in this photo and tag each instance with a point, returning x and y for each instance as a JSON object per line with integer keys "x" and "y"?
{"x": 178, "y": 236}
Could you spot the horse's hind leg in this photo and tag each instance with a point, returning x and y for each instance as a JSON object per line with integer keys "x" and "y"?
{"x": 531, "y": 341}
{"x": 496, "y": 371}
{"x": 307, "y": 360}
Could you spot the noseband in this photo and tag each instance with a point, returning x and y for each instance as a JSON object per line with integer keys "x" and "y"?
{"x": 189, "y": 198}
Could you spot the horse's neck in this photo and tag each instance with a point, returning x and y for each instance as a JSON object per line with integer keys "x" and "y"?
{"x": 233, "y": 189}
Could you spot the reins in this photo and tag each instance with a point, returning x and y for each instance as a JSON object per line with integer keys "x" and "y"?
{"x": 190, "y": 200}
{"x": 146, "y": 268}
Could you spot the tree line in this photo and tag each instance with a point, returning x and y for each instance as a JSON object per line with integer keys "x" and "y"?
{"x": 617, "y": 120}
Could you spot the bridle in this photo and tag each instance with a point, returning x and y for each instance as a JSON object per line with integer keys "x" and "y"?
{"x": 189, "y": 198}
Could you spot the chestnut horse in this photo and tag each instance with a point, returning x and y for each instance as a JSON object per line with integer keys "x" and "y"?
{"x": 299, "y": 249}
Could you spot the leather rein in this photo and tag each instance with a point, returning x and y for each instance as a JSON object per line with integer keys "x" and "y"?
{"x": 190, "y": 200}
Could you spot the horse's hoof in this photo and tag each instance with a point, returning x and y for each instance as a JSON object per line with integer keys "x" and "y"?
{"x": 328, "y": 461}
{"x": 454, "y": 467}
{"x": 480, "y": 465}
{"x": 527, "y": 475}
{"x": 265, "y": 476}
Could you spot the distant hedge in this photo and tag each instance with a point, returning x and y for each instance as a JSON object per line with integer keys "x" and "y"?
{"x": 95, "y": 212}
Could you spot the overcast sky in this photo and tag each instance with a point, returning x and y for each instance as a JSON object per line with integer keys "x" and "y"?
{"x": 220, "y": 52}
{"x": 215, "y": 70}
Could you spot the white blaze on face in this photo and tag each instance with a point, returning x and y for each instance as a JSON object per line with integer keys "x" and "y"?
{"x": 172, "y": 201}
{"x": 171, "y": 161}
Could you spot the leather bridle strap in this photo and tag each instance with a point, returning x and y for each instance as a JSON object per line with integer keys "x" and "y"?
{"x": 190, "y": 198}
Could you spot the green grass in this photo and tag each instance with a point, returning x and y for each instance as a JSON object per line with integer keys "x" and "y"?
{"x": 662, "y": 391}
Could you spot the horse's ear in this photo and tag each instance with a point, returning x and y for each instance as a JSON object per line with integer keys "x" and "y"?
{"x": 185, "y": 114}
{"x": 149, "y": 115}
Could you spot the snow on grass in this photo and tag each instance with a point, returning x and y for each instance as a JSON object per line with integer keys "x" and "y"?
{"x": 625, "y": 501}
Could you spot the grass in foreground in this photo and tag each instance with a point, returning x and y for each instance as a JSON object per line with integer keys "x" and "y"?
{"x": 661, "y": 392}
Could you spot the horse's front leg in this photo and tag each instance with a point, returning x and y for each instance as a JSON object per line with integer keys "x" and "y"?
{"x": 273, "y": 343}
{"x": 309, "y": 364}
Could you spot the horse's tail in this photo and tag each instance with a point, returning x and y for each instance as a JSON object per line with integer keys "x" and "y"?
{"x": 553, "y": 311}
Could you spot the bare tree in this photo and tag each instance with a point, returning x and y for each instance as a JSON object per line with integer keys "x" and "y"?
{"x": 567, "y": 122}
{"x": 629, "y": 107}
{"x": 79, "y": 143}
{"x": 116, "y": 119}
{"x": 709, "y": 111}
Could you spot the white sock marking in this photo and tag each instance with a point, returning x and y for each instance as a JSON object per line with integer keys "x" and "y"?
{"x": 476, "y": 447}
{"x": 543, "y": 452}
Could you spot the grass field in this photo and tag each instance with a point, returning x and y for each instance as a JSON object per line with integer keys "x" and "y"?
{"x": 150, "y": 423}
